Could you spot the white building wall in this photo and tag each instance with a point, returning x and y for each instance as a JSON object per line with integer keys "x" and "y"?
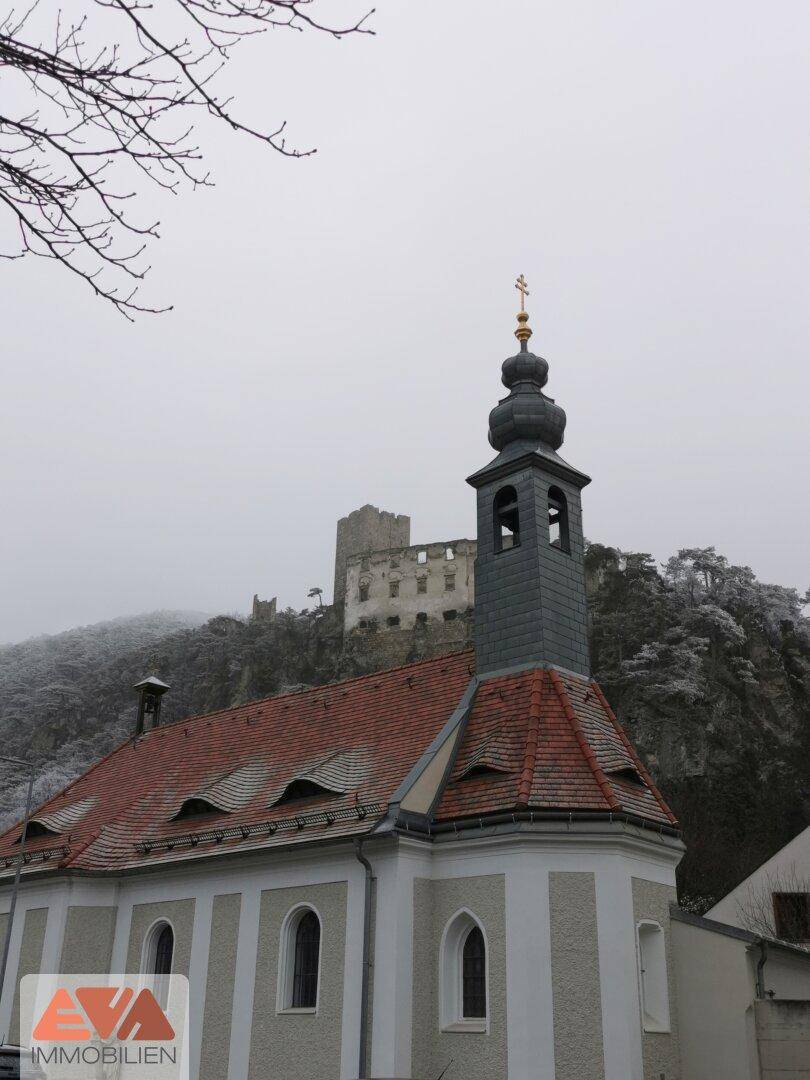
{"x": 614, "y": 856}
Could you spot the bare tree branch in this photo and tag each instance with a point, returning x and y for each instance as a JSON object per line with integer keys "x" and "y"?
{"x": 100, "y": 119}
{"x": 777, "y": 904}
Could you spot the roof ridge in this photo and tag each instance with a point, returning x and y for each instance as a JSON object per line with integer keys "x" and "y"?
{"x": 645, "y": 775}
{"x": 587, "y": 750}
{"x": 532, "y": 739}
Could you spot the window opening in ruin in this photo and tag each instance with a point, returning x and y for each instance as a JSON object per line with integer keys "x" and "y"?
{"x": 365, "y": 564}
{"x": 449, "y": 554}
{"x": 421, "y": 616}
{"x": 450, "y": 615}
{"x": 393, "y": 588}
{"x": 363, "y": 591}
{"x": 421, "y": 585}
{"x": 421, "y": 557}
{"x": 450, "y": 583}
{"x": 393, "y": 620}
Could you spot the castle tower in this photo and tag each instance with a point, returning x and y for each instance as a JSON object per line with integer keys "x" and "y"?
{"x": 363, "y": 530}
{"x": 529, "y": 574}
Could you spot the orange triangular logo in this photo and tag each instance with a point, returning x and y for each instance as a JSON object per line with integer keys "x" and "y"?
{"x": 61, "y": 1021}
{"x": 150, "y": 1018}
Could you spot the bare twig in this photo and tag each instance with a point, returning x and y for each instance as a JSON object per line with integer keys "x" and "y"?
{"x": 99, "y": 119}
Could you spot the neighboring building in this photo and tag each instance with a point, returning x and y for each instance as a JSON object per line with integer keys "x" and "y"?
{"x": 775, "y": 899}
{"x": 459, "y": 867}
{"x": 743, "y": 1008}
{"x": 400, "y": 587}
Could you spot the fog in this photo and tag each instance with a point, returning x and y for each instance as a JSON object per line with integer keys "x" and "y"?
{"x": 340, "y": 320}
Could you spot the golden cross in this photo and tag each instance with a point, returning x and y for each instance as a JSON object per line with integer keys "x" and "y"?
{"x": 520, "y": 285}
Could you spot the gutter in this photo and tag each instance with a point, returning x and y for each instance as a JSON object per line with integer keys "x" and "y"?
{"x": 363, "y": 1054}
{"x": 468, "y": 824}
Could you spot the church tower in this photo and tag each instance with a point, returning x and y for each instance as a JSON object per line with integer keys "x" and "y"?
{"x": 529, "y": 575}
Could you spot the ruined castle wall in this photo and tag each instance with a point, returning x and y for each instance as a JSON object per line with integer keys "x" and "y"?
{"x": 399, "y": 588}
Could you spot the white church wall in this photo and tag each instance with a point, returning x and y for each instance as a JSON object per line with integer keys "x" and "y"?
{"x": 576, "y": 987}
{"x": 660, "y": 1049}
{"x": 219, "y": 988}
{"x": 479, "y": 1054}
{"x": 179, "y": 914}
{"x": 88, "y": 939}
{"x": 612, "y": 854}
{"x": 299, "y": 1044}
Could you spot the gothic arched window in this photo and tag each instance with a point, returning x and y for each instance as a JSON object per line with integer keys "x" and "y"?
{"x": 158, "y": 959}
{"x": 474, "y": 976}
{"x": 506, "y": 519}
{"x": 558, "y": 520}
{"x": 299, "y": 960}
{"x": 463, "y": 975}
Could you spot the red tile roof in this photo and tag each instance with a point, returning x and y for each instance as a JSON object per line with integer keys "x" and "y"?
{"x": 560, "y": 748}
{"x": 544, "y": 741}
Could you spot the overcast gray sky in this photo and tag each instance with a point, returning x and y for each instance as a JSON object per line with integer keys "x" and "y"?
{"x": 340, "y": 321}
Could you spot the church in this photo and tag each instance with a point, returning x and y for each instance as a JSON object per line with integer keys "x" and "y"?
{"x": 459, "y": 868}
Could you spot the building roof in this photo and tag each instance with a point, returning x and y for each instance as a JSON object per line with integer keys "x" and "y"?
{"x": 530, "y": 740}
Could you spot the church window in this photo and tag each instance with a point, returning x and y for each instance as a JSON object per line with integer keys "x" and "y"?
{"x": 507, "y": 519}
{"x": 463, "y": 975}
{"x": 652, "y": 967}
{"x": 393, "y": 620}
{"x": 791, "y": 912}
{"x": 363, "y": 591}
{"x": 473, "y": 976}
{"x": 157, "y": 959}
{"x": 393, "y": 588}
{"x": 421, "y": 557}
{"x": 421, "y": 585}
{"x": 299, "y": 961}
{"x": 450, "y": 583}
{"x": 558, "y": 520}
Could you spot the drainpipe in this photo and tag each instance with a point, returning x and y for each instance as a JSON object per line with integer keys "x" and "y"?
{"x": 366, "y": 960}
{"x": 763, "y": 956}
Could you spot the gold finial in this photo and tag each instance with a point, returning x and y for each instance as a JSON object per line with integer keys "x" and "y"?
{"x": 523, "y": 332}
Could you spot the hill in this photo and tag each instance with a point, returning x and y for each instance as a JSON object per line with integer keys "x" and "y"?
{"x": 708, "y": 668}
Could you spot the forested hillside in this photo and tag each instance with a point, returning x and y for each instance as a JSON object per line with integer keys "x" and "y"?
{"x": 708, "y": 668}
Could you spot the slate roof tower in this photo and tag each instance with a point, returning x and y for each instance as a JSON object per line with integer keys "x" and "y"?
{"x": 529, "y": 575}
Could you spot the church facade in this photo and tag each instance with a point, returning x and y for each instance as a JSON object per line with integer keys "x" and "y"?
{"x": 457, "y": 868}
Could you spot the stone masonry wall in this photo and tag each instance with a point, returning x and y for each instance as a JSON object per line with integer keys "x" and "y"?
{"x": 366, "y": 529}
{"x": 402, "y": 587}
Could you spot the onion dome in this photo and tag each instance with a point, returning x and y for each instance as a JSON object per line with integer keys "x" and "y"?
{"x": 526, "y": 415}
